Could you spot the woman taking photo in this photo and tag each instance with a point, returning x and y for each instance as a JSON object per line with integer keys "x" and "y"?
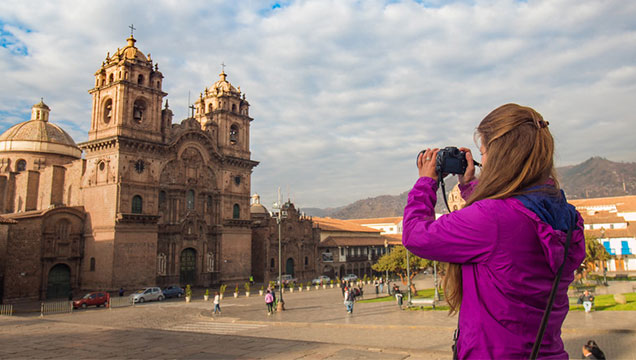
{"x": 507, "y": 243}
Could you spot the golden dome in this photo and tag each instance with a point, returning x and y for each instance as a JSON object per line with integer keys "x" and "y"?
{"x": 130, "y": 52}
{"x": 223, "y": 87}
{"x": 39, "y": 135}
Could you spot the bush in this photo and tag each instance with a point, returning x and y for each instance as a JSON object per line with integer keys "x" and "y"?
{"x": 222, "y": 288}
{"x": 236, "y": 289}
{"x": 247, "y": 286}
{"x": 207, "y": 292}
{"x": 188, "y": 291}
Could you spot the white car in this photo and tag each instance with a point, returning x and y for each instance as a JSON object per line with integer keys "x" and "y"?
{"x": 148, "y": 294}
{"x": 322, "y": 279}
{"x": 350, "y": 277}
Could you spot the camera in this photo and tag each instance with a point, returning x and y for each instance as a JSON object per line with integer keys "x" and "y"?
{"x": 450, "y": 160}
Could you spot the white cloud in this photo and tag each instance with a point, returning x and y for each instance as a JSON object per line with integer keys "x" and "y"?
{"x": 344, "y": 93}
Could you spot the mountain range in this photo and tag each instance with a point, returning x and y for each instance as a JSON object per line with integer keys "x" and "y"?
{"x": 595, "y": 177}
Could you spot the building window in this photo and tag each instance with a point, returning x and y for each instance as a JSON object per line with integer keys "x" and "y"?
{"x": 341, "y": 251}
{"x": 137, "y": 204}
{"x": 190, "y": 200}
{"x": 158, "y": 85}
{"x": 140, "y": 79}
{"x": 162, "y": 199}
{"x": 233, "y": 107}
{"x": 236, "y": 214}
{"x": 271, "y": 263}
{"x": 92, "y": 264}
{"x": 307, "y": 260}
{"x": 234, "y": 134}
{"x": 209, "y": 203}
{"x": 20, "y": 165}
{"x": 111, "y": 78}
{"x": 237, "y": 180}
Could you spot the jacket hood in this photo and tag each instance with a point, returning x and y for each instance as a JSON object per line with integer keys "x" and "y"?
{"x": 554, "y": 216}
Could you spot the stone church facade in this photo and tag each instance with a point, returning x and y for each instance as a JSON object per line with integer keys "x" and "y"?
{"x": 150, "y": 202}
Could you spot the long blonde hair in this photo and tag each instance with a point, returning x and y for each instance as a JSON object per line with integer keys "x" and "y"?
{"x": 520, "y": 152}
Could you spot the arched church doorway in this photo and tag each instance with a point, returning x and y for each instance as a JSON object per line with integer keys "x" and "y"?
{"x": 188, "y": 268}
{"x": 59, "y": 283}
{"x": 289, "y": 267}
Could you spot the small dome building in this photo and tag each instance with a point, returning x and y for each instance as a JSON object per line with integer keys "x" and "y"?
{"x": 36, "y": 142}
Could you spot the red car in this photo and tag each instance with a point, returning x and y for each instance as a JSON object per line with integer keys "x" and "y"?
{"x": 98, "y": 299}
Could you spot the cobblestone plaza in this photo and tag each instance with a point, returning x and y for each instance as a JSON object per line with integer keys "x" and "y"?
{"x": 314, "y": 325}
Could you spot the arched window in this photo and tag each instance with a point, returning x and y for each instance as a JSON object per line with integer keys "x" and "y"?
{"x": 209, "y": 203}
{"x": 271, "y": 263}
{"x": 140, "y": 79}
{"x": 306, "y": 260}
{"x": 190, "y": 199}
{"x": 210, "y": 108}
{"x": 158, "y": 85}
{"x": 237, "y": 212}
{"x": 137, "y": 204}
{"x": 162, "y": 199}
{"x": 138, "y": 110}
{"x": 108, "y": 110}
{"x": 233, "y": 107}
{"x": 234, "y": 132}
{"x": 92, "y": 264}
{"x": 111, "y": 78}
{"x": 20, "y": 165}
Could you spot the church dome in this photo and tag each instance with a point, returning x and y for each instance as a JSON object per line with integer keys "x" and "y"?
{"x": 257, "y": 207}
{"x": 39, "y": 135}
{"x": 130, "y": 52}
{"x": 223, "y": 87}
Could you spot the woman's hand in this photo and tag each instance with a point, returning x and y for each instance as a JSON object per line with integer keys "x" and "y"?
{"x": 469, "y": 175}
{"x": 426, "y": 163}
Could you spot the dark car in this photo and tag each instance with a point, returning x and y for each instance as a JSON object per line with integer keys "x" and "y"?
{"x": 97, "y": 298}
{"x": 172, "y": 291}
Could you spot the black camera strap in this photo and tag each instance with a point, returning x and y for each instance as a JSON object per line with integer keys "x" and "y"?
{"x": 440, "y": 182}
{"x": 548, "y": 310}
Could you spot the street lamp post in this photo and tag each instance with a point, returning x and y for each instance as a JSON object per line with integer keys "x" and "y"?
{"x": 280, "y": 215}
{"x": 386, "y": 251}
{"x": 435, "y": 281}
{"x": 408, "y": 273}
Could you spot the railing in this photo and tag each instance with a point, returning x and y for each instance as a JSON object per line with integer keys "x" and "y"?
{"x": 56, "y": 307}
{"x": 6, "y": 310}
{"x": 120, "y": 301}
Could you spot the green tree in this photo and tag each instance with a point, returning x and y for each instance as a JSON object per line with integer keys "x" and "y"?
{"x": 395, "y": 262}
{"x": 595, "y": 254}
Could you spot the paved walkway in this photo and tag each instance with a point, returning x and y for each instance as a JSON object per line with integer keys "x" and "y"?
{"x": 314, "y": 326}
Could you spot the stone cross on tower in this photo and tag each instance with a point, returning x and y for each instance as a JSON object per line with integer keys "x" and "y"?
{"x": 223, "y": 67}
{"x": 192, "y": 108}
{"x": 132, "y": 28}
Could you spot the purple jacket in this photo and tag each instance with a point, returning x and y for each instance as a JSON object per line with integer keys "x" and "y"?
{"x": 509, "y": 260}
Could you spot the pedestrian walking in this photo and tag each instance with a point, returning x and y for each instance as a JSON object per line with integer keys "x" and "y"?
{"x": 398, "y": 296}
{"x": 217, "y": 303}
{"x": 343, "y": 285}
{"x": 121, "y": 292}
{"x": 376, "y": 284}
{"x": 350, "y": 298}
{"x": 269, "y": 301}
{"x": 381, "y": 285}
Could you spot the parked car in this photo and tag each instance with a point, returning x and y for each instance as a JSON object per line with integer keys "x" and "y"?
{"x": 350, "y": 277}
{"x": 148, "y": 294}
{"x": 98, "y": 299}
{"x": 172, "y": 291}
{"x": 287, "y": 279}
{"x": 322, "y": 279}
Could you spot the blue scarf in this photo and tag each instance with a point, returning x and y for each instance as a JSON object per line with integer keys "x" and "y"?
{"x": 553, "y": 210}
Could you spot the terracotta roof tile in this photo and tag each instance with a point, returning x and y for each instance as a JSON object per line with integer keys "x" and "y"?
{"x": 330, "y": 224}
{"x": 387, "y": 220}
{"x": 333, "y": 241}
{"x": 394, "y": 239}
{"x": 602, "y": 217}
{"x": 622, "y": 203}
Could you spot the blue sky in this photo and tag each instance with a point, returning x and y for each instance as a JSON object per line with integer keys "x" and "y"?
{"x": 344, "y": 93}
